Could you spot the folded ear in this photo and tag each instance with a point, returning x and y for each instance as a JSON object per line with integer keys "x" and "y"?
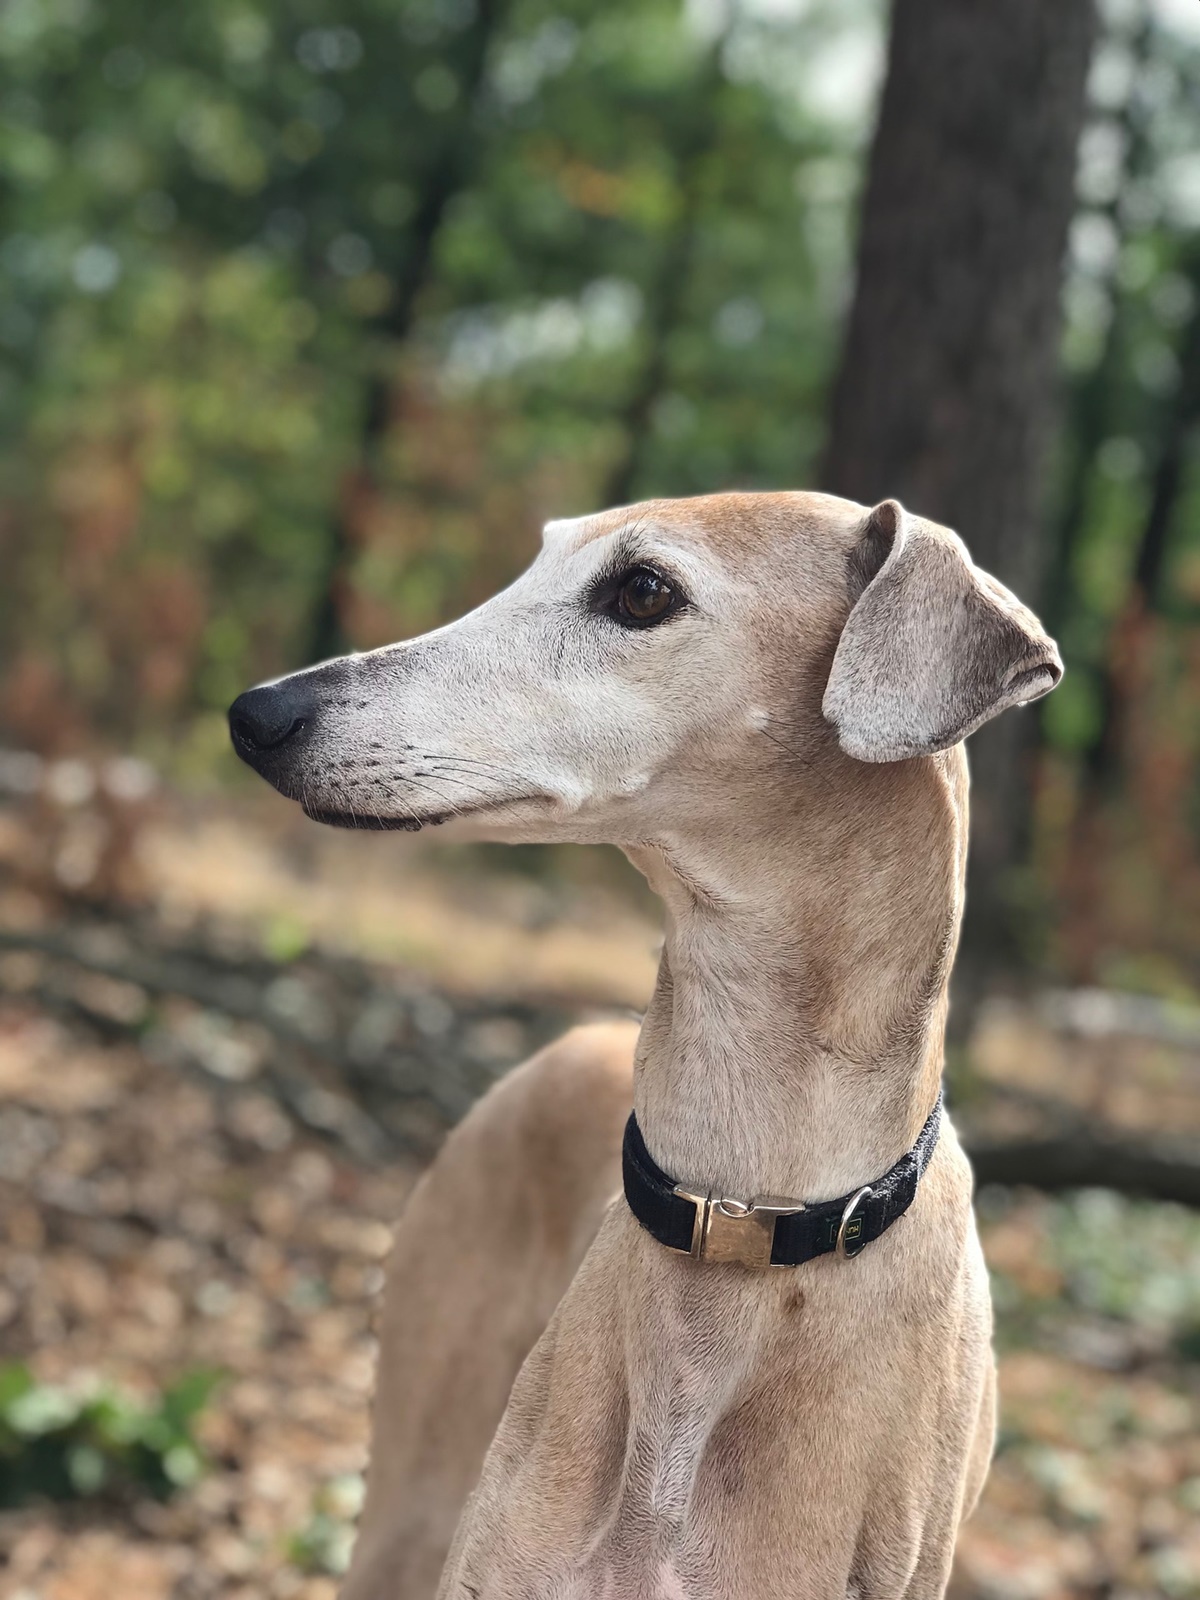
{"x": 933, "y": 647}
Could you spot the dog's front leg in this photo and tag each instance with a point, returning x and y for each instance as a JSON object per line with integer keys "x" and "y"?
{"x": 489, "y": 1241}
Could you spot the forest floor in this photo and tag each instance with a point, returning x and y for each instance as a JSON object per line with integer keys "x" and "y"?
{"x": 158, "y": 1223}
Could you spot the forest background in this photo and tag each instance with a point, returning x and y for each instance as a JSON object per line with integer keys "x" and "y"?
{"x": 310, "y": 316}
{"x": 308, "y": 323}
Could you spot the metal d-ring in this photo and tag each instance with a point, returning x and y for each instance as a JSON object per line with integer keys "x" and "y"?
{"x": 850, "y": 1228}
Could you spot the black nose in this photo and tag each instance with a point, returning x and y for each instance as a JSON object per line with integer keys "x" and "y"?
{"x": 268, "y": 718}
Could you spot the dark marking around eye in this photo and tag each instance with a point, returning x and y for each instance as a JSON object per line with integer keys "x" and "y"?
{"x": 637, "y": 595}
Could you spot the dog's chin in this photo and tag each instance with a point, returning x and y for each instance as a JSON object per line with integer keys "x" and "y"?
{"x": 361, "y": 819}
{"x": 412, "y": 821}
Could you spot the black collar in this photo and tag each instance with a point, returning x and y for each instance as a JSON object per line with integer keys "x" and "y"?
{"x": 769, "y": 1232}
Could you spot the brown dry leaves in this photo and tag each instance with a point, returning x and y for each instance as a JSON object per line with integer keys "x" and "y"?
{"x": 149, "y": 1226}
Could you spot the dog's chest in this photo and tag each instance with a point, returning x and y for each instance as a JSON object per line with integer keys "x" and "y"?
{"x": 670, "y": 1584}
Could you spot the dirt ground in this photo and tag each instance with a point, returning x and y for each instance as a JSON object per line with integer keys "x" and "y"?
{"x": 154, "y": 1224}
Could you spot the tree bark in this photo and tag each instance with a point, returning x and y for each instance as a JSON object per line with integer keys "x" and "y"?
{"x": 945, "y": 395}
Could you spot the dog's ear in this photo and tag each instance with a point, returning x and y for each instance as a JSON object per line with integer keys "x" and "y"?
{"x": 933, "y": 646}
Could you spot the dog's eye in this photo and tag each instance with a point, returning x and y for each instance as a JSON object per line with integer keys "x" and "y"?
{"x": 644, "y": 596}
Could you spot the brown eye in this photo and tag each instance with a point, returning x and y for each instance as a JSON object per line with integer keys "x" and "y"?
{"x": 645, "y": 596}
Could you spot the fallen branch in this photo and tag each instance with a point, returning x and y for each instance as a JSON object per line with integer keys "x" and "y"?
{"x": 1085, "y": 1161}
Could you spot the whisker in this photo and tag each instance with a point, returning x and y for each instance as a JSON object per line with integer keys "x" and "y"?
{"x": 805, "y": 761}
{"x": 502, "y": 777}
{"x": 412, "y": 816}
{"x": 447, "y": 800}
{"x": 459, "y": 755}
{"x": 490, "y": 768}
{"x": 459, "y": 775}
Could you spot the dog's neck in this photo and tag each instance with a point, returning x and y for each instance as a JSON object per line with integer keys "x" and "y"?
{"x": 793, "y": 1046}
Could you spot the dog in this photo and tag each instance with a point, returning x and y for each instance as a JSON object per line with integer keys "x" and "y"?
{"x": 776, "y": 1378}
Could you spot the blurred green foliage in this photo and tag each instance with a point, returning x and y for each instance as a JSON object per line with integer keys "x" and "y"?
{"x": 207, "y": 213}
{"x": 60, "y": 1444}
{"x": 324, "y": 1543}
{"x": 1127, "y": 1264}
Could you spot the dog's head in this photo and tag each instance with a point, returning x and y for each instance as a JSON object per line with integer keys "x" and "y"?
{"x": 654, "y": 663}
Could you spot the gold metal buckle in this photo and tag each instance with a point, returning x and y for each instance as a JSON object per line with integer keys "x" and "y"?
{"x": 730, "y": 1230}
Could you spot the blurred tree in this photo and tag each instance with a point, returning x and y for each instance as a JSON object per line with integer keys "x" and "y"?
{"x": 408, "y": 265}
{"x": 945, "y": 390}
{"x": 1118, "y": 836}
{"x": 1093, "y": 400}
{"x": 1125, "y": 658}
{"x": 666, "y": 305}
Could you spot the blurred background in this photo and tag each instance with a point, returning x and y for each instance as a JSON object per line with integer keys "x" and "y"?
{"x": 309, "y": 316}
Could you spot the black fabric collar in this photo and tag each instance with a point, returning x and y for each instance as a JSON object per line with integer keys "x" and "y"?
{"x": 769, "y": 1232}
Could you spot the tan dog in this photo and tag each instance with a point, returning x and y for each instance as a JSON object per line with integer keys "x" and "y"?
{"x": 761, "y": 699}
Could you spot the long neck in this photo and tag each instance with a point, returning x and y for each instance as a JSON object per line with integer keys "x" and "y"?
{"x": 794, "y": 1043}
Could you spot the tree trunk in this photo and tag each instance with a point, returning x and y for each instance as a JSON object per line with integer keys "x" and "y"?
{"x": 946, "y": 391}
{"x": 445, "y": 177}
{"x": 666, "y": 293}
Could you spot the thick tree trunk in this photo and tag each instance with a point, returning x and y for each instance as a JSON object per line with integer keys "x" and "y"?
{"x": 946, "y": 392}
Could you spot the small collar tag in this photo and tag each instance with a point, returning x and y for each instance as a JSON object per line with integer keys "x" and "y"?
{"x": 770, "y": 1232}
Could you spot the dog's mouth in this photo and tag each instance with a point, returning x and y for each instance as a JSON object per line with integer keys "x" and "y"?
{"x": 412, "y": 821}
